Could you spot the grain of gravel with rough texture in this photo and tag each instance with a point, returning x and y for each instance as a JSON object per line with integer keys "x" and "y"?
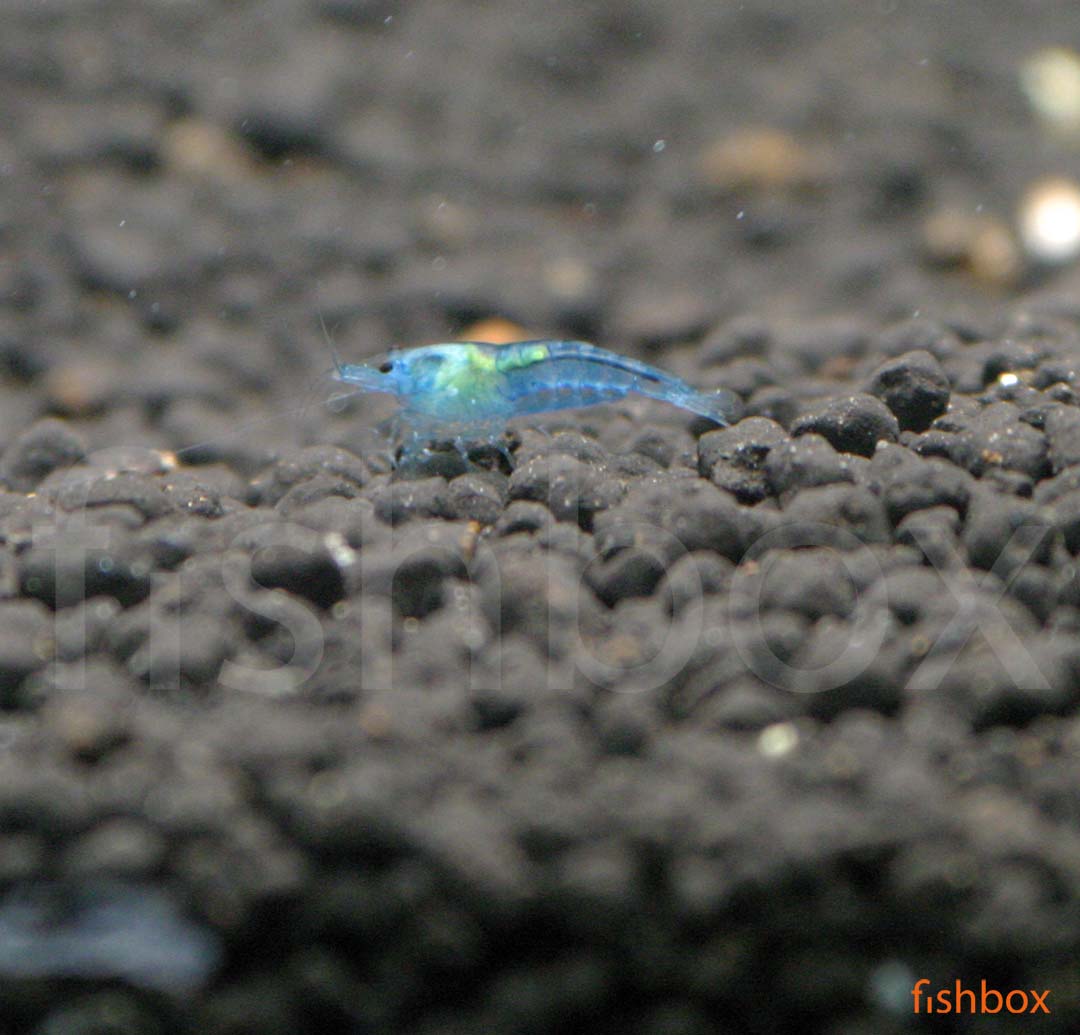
{"x": 662, "y": 728}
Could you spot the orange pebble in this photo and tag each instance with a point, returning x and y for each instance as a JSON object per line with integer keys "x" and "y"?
{"x": 494, "y": 329}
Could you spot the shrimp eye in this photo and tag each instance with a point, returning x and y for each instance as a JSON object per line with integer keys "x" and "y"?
{"x": 385, "y": 368}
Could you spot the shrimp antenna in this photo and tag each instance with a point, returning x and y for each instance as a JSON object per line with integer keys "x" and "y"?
{"x": 329, "y": 341}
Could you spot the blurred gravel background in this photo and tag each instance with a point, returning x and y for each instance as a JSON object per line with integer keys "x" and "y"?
{"x": 669, "y": 729}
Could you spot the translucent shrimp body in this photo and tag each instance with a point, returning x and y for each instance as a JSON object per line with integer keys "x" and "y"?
{"x": 469, "y": 389}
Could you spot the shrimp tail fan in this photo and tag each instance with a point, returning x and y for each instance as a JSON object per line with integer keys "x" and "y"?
{"x": 719, "y": 405}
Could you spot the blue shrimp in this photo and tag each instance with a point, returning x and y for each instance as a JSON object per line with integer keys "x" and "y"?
{"x": 461, "y": 390}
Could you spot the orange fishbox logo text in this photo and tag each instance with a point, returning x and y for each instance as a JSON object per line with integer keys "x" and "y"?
{"x": 986, "y": 1000}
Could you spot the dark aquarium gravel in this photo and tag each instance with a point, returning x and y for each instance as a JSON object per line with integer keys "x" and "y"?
{"x": 626, "y": 722}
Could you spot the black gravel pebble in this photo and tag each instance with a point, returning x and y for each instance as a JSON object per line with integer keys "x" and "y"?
{"x": 697, "y": 517}
{"x": 811, "y": 581}
{"x": 398, "y": 502}
{"x": 1065, "y": 514}
{"x": 998, "y": 438}
{"x": 747, "y": 705}
{"x": 693, "y": 575}
{"x": 775, "y": 403}
{"x": 908, "y": 482}
{"x": 742, "y": 336}
{"x": 918, "y": 336}
{"x": 1063, "y": 437}
{"x": 847, "y": 508}
{"x": 573, "y": 490}
{"x": 412, "y": 566}
{"x": 523, "y": 516}
{"x": 804, "y": 463}
{"x": 295, "y": 469}
{"x": 103, "y": 491}
{"x": 25, "y": 644}
{"x": 309, "y": 572}
{"x": 734, "y": 458}
{"x": 37, "y": 452}
{"x": 814, "y": 344}
{"x": 914, "y": 387}
{"x": 1003, "y": 534}
{"x": 852, "y": 424}
{"x": 67, "y": 571}
{"x": 477, "y": 498}
{"x": 746, "y": 376}
{"x": 633, "y": 572}
{"x": 934, "y": 532}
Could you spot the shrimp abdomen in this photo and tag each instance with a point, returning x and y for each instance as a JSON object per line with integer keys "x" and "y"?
{"x": 556, "y": 375}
